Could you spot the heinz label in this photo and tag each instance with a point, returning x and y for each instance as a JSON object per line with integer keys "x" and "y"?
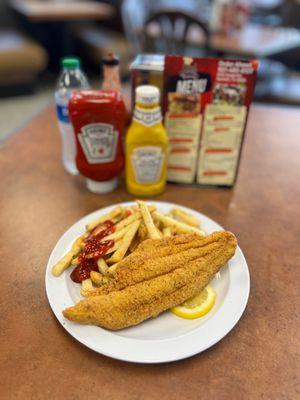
{"x": 98, "y": 142}
{"x": 147, "y": 118}
{"x": 147, "y": 163}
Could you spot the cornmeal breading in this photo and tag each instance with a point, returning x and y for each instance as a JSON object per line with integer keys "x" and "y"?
{"x": 160, "y": 256}
{"x": 160, "y": 274}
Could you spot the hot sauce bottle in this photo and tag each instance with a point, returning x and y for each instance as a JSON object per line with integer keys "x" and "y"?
{"x": 111, "y": 78}
{"x": 111, "y": 73}
{"x": 146, "y": 145}
{"x": 98, "y": 118}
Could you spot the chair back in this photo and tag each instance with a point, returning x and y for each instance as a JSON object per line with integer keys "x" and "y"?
{"x": 175, "y": 32}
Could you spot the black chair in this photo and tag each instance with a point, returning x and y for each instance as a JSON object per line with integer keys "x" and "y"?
{"x": 175, "y": 32}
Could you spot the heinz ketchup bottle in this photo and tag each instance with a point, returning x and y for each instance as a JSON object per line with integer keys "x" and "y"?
{"x": 98, "y": 119}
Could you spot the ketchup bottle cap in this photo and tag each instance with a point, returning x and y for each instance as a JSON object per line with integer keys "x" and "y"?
{"x": 102, "y": 187}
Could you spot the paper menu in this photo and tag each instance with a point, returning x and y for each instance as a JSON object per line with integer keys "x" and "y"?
{"x": 221, "y": 139}
{"x": 183, "y": 143}
{"x": 220, "y": 92}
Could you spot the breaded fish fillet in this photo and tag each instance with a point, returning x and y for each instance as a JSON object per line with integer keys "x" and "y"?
{"x": 160, "y": 256}
{"x": 160, "y": 274}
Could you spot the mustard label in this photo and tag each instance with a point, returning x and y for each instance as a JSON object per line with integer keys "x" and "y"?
{"x": 147, "y": 117}
{"x": 147, "y": 163}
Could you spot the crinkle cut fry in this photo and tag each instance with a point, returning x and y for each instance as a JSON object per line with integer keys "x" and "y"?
{"x": 163, "y": 258}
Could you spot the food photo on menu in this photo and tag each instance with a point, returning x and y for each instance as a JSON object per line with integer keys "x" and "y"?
{"x": 150, "y": 190}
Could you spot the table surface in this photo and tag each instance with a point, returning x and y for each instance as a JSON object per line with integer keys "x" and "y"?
{"x": 67, "y": 10}
{"x": 258, "y": 359}
{"x": 256, "y": 41}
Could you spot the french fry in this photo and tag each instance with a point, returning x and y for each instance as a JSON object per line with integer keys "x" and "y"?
{"x": 98, "y": 279}
{"x": 112, "y": 269}
{"x": 128, "y": 220}
{"x": 62, "y": 264}
{"x": 118, "y": 234}
{"x": 114, "y": 248}
{"x": 135, "y": 208}
{"x": 142, "y": 232}
{"x": 124, "y": 244}
{"x": 134, "y": 244}
{"x": 66, "y": 261}
{"x": 133, "y": 225}
{"x": 75, "y": 261}
{"x": 167, "y": 232}
{"x": 153, "y": 232}
{"x": 99, "y": 228}
{"x": 108, "y": 251}
{"x": 157, "y": 224}
{"x": 179, "y": 227}
{"x": 86, "y": 285}
{"x": 102, "y": 266}
{"x": 116, "y": 212}
{"x": 185, "y": 217}
{"x": 79, "y": 243}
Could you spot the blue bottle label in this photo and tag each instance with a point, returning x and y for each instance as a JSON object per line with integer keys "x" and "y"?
{"x": 62, "y": 113}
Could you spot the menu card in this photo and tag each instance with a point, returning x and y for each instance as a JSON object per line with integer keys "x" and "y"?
{"x": 206, "y": 103}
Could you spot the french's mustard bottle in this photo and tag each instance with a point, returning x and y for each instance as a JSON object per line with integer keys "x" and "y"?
{"x": 146, "y": 145}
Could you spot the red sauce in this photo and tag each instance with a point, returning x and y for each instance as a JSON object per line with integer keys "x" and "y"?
{"x": 100, "y": 231}
{"x": 83, "y": 270}
{"x": 94, "y": 249}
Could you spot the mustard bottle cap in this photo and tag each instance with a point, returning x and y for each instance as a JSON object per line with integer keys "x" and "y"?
{"x": 147, "y": 94}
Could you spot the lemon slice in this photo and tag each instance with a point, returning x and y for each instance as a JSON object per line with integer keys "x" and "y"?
{"x": 197, "y": 306}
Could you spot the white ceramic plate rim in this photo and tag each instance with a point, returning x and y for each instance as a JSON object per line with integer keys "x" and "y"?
{"x": 151, "y": 351}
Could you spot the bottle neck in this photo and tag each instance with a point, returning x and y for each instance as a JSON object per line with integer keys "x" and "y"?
{"x": 70, "y": 69}
{"x": 111, "y": 78}
{"x": 146, "y": 106}
{"x": 147, "y": 114}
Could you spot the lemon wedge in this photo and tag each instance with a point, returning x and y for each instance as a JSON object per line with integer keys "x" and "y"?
{"x": 197, "y": 306}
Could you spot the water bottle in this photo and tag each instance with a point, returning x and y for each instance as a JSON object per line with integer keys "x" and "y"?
{"x": 71, "y": 78}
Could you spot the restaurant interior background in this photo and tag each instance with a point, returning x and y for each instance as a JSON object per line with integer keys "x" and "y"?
{"x": 46, "y": 356}
{"x": 35, "y": 34}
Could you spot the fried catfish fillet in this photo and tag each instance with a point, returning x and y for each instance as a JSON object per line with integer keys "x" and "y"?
{"x": 160, "y": 274}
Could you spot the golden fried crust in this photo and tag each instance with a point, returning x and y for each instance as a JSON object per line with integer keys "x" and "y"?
{"x": 160, "y": 256}
{"x": 171, "y": 274}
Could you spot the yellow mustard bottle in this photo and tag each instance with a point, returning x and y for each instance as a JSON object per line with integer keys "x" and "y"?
{"x": 146, "y": 145}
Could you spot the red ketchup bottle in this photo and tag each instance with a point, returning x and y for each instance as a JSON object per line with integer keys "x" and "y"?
{"x": 98, "y": 119}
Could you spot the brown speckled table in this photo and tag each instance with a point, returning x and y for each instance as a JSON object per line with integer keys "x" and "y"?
{"x": 259, "y": 359}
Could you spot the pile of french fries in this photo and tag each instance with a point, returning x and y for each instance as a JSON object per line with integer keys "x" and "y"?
{"x": 132, "y": 225}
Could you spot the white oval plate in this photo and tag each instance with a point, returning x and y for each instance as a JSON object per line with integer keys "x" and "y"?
{"x": 167, "y": 337}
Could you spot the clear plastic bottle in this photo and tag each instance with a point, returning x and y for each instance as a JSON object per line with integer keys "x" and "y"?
{"x": 70, "y": 78}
